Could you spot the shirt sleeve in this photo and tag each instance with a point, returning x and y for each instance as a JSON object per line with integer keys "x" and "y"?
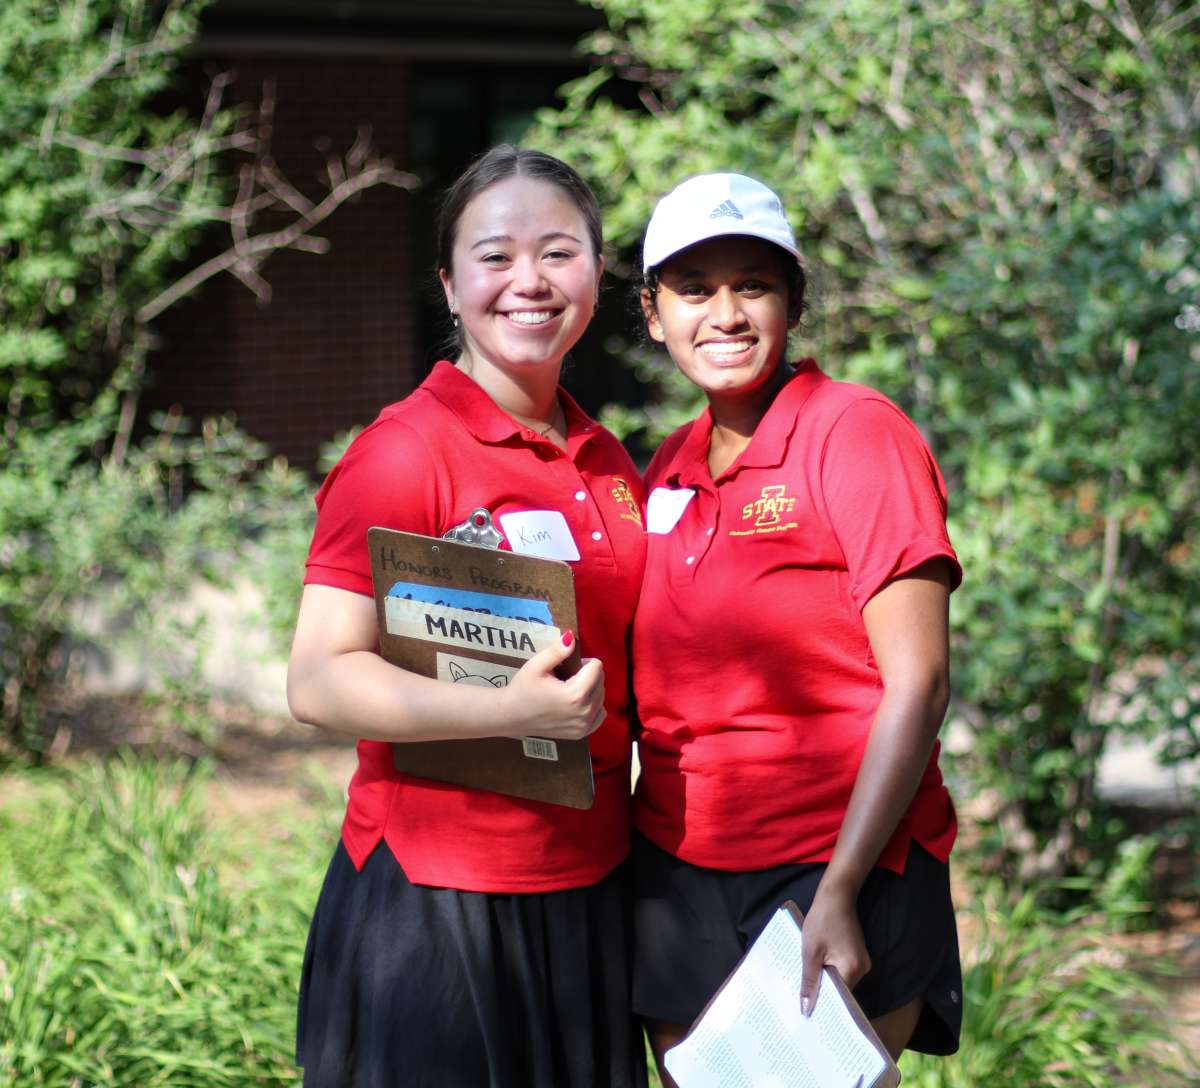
{"x": 387, "y": 478}
{"x": 885, "y": 497}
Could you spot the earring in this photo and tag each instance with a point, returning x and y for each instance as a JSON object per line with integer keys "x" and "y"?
{"x": 454, "y": 318}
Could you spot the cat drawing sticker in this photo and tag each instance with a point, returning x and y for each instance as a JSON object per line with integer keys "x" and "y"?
{"x": 469, "y": 670}
{"x": 460, "y": 676}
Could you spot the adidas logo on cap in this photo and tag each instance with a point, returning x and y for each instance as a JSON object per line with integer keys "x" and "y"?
{"x": 725, "y": 208}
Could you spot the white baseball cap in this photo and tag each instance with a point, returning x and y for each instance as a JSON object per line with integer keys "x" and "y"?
{"x": 709, "y": 206}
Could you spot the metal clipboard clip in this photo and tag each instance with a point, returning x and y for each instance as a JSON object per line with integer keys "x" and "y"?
{"x": 477, "y": 529}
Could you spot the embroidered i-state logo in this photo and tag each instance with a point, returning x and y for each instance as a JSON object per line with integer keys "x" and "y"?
{"x": 768, "y": 512}
{"x": 624, "y": 497}
{"x": 726, "y": 208}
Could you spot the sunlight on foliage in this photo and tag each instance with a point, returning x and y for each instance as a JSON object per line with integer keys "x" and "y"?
{"x": 1049, "y": 1003}
{"x": 999, "y": 206}
{"x": 136, "y": 946}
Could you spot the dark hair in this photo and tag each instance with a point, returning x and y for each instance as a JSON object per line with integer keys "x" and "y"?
{"x": 506, "y": 161}
{"x": 797, "y": 286}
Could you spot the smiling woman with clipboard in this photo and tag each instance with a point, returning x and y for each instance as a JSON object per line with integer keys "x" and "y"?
{"x": 465, "y": 937}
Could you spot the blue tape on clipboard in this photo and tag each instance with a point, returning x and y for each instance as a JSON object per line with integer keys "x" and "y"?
{"x": 490, "y": 604}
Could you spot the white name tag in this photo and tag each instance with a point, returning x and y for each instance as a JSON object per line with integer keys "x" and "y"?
{"x": 470, "y": 630}
{"x": 543, "y": 533}
{"x": 666, "y": 507}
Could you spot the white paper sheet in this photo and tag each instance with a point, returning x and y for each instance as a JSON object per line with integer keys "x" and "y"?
{"x": 754, "y": 1036}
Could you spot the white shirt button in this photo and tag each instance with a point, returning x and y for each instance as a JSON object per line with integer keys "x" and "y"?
{"x": 597, "y": 535}
{"x": 710, "y": 532}
{"x": 690, "y": 560}
{"x": 581, "y": 495}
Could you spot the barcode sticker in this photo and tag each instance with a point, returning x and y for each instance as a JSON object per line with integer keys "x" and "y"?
{"x": 537, "y": 748}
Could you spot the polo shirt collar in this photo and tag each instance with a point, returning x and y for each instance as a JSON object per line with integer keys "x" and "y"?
{"x": 689, "y": 466}
{"x": 768, "y": 447}
{"x": 482, "y": 416}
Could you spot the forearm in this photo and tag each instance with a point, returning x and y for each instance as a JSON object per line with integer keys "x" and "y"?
{"x": 358, "y": 694}
{"x": 897, "y": 753}
{"x": 906, "y": 624}
{"x": 337, "y": 680}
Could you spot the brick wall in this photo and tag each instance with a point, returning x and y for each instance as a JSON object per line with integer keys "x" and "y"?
{"x": 339, "y": 338}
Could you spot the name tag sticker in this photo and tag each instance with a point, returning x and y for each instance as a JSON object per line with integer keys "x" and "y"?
{"x": 666, "y": 507}
{"x": 543, "y": 533}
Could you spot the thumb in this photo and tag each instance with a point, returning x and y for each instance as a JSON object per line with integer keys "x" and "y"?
{"x": 810, "y": 980}
{"x": 549, "y": 658}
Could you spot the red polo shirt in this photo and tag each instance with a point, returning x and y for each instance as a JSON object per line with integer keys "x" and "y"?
{"x": 754, "y": 677}
{"x": 423, "y": 466}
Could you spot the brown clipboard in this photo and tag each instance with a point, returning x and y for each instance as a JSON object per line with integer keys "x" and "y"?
{"x": 890, "y": 1077}
{"x": 518, "y": 767}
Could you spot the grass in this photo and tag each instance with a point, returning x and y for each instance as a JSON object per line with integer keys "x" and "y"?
{"x": 1048, "y": 1003}
{"x": 136, "y": 949}
{"x": 144, "y": 944}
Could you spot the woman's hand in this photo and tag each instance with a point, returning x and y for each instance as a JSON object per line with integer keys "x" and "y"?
{"x": 537, "y": 703}
{"x": 833, "y": 937}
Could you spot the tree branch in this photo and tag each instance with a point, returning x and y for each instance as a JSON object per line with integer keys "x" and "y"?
{"x": 894, "y": 106}
{"x": 163, "y": 195}
{"x": 248, "y": 252}
{"x": 973, "y": 90}
{"x": 119, "y": 55}
{"x": 864, "y": 205}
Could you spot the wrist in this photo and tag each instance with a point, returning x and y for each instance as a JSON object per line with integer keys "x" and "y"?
{"x": 841, "y": 882}
{"x": 503, "y": 713}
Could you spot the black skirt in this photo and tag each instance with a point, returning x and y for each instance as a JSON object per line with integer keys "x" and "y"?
{"x": 692, "y": 925}
{"x": 416, "y": 986}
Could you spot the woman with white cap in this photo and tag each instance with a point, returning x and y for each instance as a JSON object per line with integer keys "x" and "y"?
{"x": 790, "y": 650}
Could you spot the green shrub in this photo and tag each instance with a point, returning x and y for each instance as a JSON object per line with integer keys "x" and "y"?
{"x": 139, "y": 948}
{"x": 1048, "y": 1003}
{"x": 143, "y": 945}
{"x": 89, "y": 546}
{"x": 111, "y": 211}
{"x": 1001, "y": 226}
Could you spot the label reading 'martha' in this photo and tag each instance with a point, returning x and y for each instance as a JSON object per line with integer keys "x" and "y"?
{"x": 467, "y": 629}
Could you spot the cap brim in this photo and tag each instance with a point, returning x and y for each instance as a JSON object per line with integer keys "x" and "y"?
{"x": 650, "y": 261}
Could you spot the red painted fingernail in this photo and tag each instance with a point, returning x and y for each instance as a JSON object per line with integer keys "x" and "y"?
{"x": 568, "y": 638}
